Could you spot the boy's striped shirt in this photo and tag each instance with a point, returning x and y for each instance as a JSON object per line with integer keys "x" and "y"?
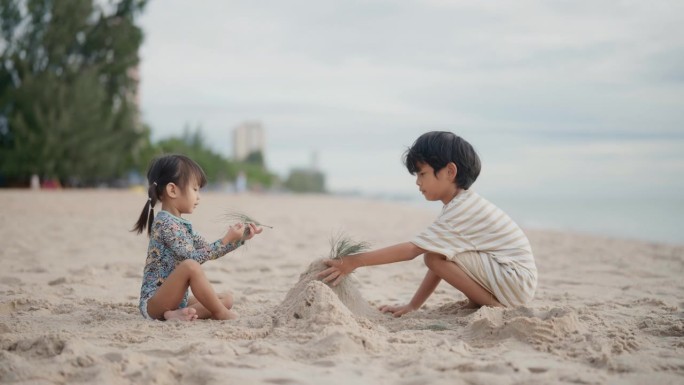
{"x": 471, "y": 223}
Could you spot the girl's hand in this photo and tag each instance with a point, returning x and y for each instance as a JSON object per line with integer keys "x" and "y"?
{"x": 241, "y": 231}
{"x": 336, "y": 271}
{"x": 234, "y": 233}
{"x": 252, "y": 231}
{"x": 397, "y": 311}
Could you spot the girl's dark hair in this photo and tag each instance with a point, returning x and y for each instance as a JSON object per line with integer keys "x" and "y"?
{"x": 176, "y": 169}
{"x": 439, "y": 148}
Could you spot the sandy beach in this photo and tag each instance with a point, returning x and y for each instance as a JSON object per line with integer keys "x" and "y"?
{"x": 607, "y": 311}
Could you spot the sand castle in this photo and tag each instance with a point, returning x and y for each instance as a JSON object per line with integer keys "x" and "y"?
{"x": 306, "y": 297}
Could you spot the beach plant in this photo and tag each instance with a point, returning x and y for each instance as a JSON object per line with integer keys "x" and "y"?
{"x": 342, "y": 245}
{"x": 246, "y": 219}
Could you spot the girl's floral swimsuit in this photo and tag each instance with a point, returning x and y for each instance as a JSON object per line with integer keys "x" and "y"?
{"x": 171, "y": 242}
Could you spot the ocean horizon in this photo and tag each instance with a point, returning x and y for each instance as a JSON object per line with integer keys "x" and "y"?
{"x": 650, "y": 219}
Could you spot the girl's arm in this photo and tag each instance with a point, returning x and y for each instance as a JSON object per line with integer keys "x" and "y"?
{"x": 192, "y": 246}
{"x": 339, "y": 268}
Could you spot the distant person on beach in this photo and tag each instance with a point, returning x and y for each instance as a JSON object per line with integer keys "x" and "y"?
{"x": 176, "y": 251}
{"x": 472, "y": 245}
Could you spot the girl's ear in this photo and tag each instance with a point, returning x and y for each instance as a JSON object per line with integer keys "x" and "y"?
{"x": 452, "y": 171}
{"x": 172, "y": 190}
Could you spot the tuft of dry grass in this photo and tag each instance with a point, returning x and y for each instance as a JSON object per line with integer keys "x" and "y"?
{"x": 342, "y": 245}
{"x": 244, "y": 218}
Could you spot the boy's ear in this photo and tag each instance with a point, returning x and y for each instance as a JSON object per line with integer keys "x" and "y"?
{"x": 171, "y": 190}
{"x": 452, "y": 171}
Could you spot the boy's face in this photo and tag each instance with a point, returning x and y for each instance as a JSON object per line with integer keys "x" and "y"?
{"x": 440, "y": 187}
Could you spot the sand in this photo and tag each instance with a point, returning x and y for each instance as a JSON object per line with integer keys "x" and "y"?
{"x": 606, "y": 310}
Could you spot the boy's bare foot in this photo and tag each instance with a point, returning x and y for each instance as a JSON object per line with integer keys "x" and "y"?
{"x": 225, "y": 315}
{"x": 185, "y": 314}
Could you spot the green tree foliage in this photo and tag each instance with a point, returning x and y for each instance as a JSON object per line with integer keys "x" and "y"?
{"x": 255, "y": 157}
{"x": 217, "y": 168}
{"x": 67, "y": 89}
{"x": 304, "y": 180}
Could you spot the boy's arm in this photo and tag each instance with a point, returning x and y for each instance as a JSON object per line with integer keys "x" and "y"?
{"x": 426, "y": 288}
{"x": 339, "y": 268}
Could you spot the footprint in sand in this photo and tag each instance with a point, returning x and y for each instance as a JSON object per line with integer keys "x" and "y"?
{"x": 24, "y": 304}
{"x": 7, "y": 308}
{"x": 10, "y": 281}
{"x": 43, "y": 346}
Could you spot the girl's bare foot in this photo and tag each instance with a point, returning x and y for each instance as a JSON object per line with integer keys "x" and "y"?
{"x": 185, "y": 314}
{"x": 224, "y": 315}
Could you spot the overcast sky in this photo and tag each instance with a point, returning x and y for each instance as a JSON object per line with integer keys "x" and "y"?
{"x": 559, "y": 97}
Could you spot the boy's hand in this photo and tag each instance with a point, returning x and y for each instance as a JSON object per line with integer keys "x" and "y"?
{"x": 397, "y": 311}
{"x": 336, "y": 271}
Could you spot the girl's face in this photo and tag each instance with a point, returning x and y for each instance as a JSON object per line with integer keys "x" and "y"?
{"x": 438, "y": 187}
{"x": 190, "y": 197}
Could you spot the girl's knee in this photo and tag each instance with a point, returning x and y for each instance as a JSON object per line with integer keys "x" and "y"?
{"x": 226, "y": 299}
{"x": 190, "y": 265}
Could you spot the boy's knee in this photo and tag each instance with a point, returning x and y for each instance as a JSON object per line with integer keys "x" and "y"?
{"x": 431, "y": 259}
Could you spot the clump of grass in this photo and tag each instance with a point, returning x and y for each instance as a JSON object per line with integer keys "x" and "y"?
{"x": 246, "y": 219}
{"x": 342, "y": 245}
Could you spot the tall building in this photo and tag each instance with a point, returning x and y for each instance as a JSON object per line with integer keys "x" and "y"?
{"x": 248, "y": 137}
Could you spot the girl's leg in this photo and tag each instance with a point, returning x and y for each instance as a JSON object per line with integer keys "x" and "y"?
{"x": 188, "y": 273}
{"x": 202, "y": 312}
{"x": 457, "y": 278}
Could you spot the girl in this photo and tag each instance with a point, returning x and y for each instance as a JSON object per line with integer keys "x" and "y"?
{"x": 176, "y": 251}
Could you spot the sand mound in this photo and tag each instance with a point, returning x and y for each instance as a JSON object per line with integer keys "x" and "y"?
{"x": 535, "y": 327}
{"x": 325, "y": 318}
{"x": 314, "y": 306}
{"x": 303, "y": 293}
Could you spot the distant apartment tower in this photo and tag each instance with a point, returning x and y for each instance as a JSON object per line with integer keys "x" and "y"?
{"x": 248, "y": 138}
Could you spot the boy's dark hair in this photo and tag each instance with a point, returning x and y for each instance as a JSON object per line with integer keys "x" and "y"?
{"x": 174, "y": 168}
{"x": 439, "y": 148}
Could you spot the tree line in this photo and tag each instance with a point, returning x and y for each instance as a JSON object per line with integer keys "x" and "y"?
{"x": 68, "y": 89}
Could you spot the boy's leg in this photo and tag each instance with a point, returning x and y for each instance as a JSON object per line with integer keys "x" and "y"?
{"x": 458, "y": 278}
{"x": 172, "y": 291}
{"x": 202, "y": 312}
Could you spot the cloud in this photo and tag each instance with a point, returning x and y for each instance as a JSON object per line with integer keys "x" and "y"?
{"x": 352, "y": 78}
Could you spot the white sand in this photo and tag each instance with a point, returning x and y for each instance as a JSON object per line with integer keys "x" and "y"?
{"x": 606, "y": 310}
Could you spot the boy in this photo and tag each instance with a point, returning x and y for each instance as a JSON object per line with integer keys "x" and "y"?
{"x": 472, "y": 245}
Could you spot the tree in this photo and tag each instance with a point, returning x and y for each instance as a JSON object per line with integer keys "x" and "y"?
{"x": 67, "y": 88}
{"x": 256, "y": 158}
{"x": 306, "y": 181}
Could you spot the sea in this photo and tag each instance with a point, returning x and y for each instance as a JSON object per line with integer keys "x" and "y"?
{"x": 650, "y": 219}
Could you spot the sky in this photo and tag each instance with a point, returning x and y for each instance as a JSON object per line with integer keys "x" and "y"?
{"x": 559, "y": 98}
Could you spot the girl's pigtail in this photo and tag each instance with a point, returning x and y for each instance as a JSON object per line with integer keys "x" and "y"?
{"x": 152, "y": 200}
{"x": 147, "y": 214}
